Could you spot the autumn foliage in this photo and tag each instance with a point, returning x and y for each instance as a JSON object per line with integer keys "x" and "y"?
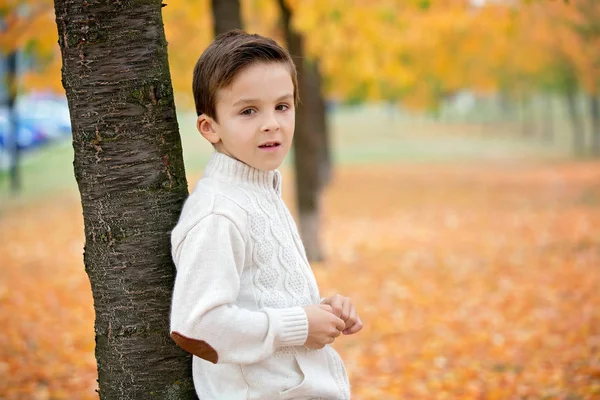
{"x": 474, "y": 281}
{"x": 414, "y": 52}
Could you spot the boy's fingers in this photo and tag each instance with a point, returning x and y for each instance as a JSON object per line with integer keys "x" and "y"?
{"x": 346, "y": 309}
{"x": 326, "y": 307}
{"x": 339, "y": 324}
{"x": 337, "y": 305}
{"x": 358, "y": 325}
{"x": 352, "y": 318}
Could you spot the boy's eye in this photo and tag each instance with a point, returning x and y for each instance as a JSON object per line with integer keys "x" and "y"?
{"x": 282, "y": 107}
{"x": 248, "y": 111}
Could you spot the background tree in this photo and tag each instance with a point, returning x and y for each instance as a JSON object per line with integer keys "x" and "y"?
{"x": 12, "y": 137}
{"x": 307, "y": 140}
{"x": 129, "y": 169}
{"x": 226, "y": 15}
{"x": 583, "y": 20}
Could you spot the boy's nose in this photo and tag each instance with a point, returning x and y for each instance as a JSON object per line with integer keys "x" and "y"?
{"x": 270, "y": 123}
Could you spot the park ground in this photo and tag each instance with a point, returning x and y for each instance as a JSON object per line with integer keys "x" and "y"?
{"x": 472, "y": 255}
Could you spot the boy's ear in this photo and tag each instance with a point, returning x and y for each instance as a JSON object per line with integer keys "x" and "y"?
{"x": 204, "y": 124}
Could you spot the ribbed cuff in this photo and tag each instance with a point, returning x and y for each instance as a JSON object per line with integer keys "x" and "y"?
{"x": 291, "y": 325}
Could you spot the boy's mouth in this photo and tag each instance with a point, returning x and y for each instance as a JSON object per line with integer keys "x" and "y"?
{"x": 269, "y": 145}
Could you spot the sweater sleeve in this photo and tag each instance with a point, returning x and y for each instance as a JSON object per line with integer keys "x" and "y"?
{"x": 204, "y": 319}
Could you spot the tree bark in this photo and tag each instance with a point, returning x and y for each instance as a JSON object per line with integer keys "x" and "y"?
{"x": 578, "y": 142}
{"x": 306, "y": 148}
{"x": 595, "y": 120}
{"x": 226, "y": 16}
{"x": 129, "y": 169}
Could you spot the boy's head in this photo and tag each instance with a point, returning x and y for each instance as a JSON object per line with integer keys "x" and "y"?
{"x": 245, "y": 90}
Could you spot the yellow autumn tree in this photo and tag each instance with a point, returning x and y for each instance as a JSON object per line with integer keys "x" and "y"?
{"x": 414, "y": 52}
{"x": 29, "y": 27}
{"x": 188, "y": 28}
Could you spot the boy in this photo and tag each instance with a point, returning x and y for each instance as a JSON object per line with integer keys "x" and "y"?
{"x": 245, "y": 302}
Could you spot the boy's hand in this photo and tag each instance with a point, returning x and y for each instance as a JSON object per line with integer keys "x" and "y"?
{"x": 343, "y": 308}
{"x": 323, "y": 326}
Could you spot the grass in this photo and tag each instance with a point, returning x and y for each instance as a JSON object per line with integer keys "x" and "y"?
{"x": 360, "y": 135}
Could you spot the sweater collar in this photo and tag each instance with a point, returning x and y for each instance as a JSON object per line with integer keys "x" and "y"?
{"x": 227, "y": 169}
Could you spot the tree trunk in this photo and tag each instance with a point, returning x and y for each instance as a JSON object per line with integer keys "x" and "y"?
{"x": 226, "y": 15}
{"x": 548, "y": 122}
{"x": 576, "y": 124}
{"x": 595, "y": 119}
{"x": 317, "y": 112}
{"x": 12, "y": 142}
{"x": 306, "y": 148}
{"x": 129, "y": 169}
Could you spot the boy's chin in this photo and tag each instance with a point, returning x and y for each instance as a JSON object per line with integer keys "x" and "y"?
{"x": 264, "y": 166}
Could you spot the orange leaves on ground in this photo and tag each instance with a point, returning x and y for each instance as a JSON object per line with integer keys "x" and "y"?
{"x": 46, "y": 309}
{"x": 474, "y": 281}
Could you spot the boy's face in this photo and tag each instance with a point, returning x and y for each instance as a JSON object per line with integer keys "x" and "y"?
{"x": 256, "y": 116}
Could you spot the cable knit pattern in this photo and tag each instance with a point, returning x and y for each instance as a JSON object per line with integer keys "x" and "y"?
{"x": 242, "y": 282}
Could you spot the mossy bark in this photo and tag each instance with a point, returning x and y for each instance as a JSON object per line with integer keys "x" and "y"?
{"x": 129, "y": 169}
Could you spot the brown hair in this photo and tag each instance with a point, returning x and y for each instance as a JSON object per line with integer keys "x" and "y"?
{"x": 226, "y": 56}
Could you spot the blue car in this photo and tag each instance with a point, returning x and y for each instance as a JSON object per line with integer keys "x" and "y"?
{"x": 40, "y": 119}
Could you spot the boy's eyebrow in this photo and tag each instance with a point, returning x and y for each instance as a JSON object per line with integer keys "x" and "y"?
{"x": 248, "y": 101}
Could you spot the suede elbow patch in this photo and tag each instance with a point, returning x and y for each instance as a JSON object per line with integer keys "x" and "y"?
{"x": 199, "y": 348}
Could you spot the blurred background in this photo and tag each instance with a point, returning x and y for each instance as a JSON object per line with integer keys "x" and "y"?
{"x": 461, "y": 213}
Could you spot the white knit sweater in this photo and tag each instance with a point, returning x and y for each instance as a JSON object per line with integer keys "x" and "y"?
{"x": 242, "y": 282}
